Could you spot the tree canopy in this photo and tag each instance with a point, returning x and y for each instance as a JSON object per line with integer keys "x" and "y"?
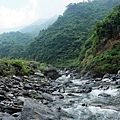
{"x": 62, "y": 42}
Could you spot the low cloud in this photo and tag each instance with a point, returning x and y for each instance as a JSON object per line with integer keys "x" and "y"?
{"x": 35, "y": 9}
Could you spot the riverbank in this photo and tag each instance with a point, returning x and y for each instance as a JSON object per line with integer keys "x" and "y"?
{"x": 65, "y": 97}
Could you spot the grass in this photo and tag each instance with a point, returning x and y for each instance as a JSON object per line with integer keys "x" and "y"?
{"x": 19, "y": 67}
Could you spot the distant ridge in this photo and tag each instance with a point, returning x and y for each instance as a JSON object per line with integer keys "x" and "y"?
{"x": 38, "y": 25}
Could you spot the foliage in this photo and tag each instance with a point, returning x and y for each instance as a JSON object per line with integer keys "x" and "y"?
{"x": 61, "y": 44}
{"x": 104, "y": 54}
{"x": 42, "y": 67}
{"x": 18, "y": 67}
{"x": 13, "y": 44}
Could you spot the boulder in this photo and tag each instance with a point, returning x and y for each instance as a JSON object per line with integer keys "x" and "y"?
{"x": 51, "y": 72}
{"x": 27, "y": 86}
{"x": 107, "y": 75}
{"x": 84, "y": 89}
{"x": 16, "y": 78}
{"x": 118, "y": 71}
{"x": 118, "y": 82}
{"x": 3, "y": 95}
{"x": 38, "y": 73}
{"x": 104, "y": 95}
{"x": 6, "y": 116}
{"x": 33, "y": 110}
{"x": 118, "y": 76}
{"x": 48, "y": 97}
{"x": 98, "y": 79}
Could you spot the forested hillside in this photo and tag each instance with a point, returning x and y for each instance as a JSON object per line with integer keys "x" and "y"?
{"x": 63, "y": 41}
{"x": 103, "y": 53}
{"x": 13, "y": 44}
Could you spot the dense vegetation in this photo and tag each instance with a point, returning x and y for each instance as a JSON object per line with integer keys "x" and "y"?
{"x": 19, "y": 67}
{"x": 62, "y": 42}
{"x": 80, "y": 37}
{"x": 103, "y": 54}
{"x": 13, "y": 44}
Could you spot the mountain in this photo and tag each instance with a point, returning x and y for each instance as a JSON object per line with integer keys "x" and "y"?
{"x": 38, "y": 25}
{"x": 13, "y": 44}
{"x": 61, "y": 44}
{"x": 103, "y": 52}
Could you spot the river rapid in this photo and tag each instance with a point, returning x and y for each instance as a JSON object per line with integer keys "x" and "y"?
{"x": 89, "y": 99}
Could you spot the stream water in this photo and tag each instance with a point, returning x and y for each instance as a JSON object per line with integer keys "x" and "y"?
{"x": 80, "y": 103}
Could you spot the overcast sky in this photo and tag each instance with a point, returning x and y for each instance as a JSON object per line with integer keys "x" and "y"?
{"x": 15, "y": 13}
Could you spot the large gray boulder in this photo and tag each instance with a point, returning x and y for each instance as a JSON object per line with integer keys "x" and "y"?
{"x": 33, "y": 110}
{"x": 51, "y": 72}
{"x": 6, "y": 116}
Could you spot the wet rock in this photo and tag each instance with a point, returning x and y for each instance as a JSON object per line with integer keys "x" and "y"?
{"x": 13, "y": 109}
{"x": 51, "y": 72}
{"x": 106, "y": 80}
{"x": 118, "y": 72}
{"x": 76, "y": 76}
{"x": 6, "y": 116}
{"x": 38, "y": 73}
{"x": 2, "y": 97}
{"x": 98, "y": 79}
{"x": 2, "y": 92}
{"x": 25, "y": 77}
{"x": 15, "y": 83}
{"x": 118, "y": 76}
{"x": 16, "y": 78}
{"x": 17, "y": 115}
{"x": 110, "y": 107}
{"x": 27, "y": 86}
{"x": 104, "y": 88}
{"x": 118, "y": 86}
{"x": 25, "y": 93}
{"x": 54, "y": 84}
{"x": 48, "y": 97}
{"x": 97, "y": 105}
{"x": 20, "y": 98}
{"x": 33, "y": 110}
{"x": 61, "y": 89}
{"x": 84, "y": 104}
{"x": 9, "y": 85}
{"x": 84, "y": 89}
{"x": 107, "y": 75}
{"x": 118, "y": 82}
{"x": 10, "y": 95}
{"x": 104, "y": 95}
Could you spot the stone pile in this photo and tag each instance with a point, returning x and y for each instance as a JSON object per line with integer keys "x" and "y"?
{"x": 44, "y": 97}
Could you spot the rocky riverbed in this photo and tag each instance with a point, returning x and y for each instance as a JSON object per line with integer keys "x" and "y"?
{"x": 59, "y": 96}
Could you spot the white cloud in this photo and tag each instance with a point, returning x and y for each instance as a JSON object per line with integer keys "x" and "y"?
{"x": 34, "y": 3}
{"x": 49, "y": 8}
{"x": 10, "y": 18}
{"x": 35, "y": 9}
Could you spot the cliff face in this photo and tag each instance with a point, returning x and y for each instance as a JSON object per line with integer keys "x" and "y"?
{"x": 104, "y": 53}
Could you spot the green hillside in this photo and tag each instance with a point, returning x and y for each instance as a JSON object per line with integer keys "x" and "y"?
{"x": 103, "y": 53}
{"x": 62, "y": 42}
{"x": 13, "y": 44}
